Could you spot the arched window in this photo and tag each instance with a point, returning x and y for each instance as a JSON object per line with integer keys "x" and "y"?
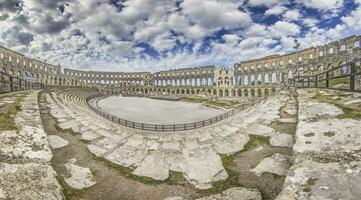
{"x": 246, "y": 80}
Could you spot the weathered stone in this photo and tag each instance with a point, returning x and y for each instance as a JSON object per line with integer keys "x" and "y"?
{"x": 312, "y": 180}
{"x": 276, "y": 164}
{"x": 328, "y": 135}
{"x": 152, "y": 166}
{"x": 259, "y": 129}
{"x": 173, "y": 146}
{"x": 57, "y": 142}
{"x": 282, "y": 140}
{"x": 287, "y": 120}
{"x": 72, "y": 124}
{"x": 152, "y": 145}
{"x": 89, "y": 135}
{"x": 290, "y": 111}
{"x": 98, "y": 151}
{"x": 237, "y": 193}
{"x": 203, "y": 166}
{"x": 231, "y": 144}
{"x": 127, "y": 155}
{"x": 174, "y": 198}
{"x": 28, "y": 181}
{"x": 355, "y": 101}
{"x": 80, "y": 177}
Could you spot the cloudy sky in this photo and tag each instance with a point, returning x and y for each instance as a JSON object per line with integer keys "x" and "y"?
{"x": 153, "y": 35}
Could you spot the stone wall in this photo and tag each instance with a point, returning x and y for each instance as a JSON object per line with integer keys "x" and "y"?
{"x": 247, "y": 78}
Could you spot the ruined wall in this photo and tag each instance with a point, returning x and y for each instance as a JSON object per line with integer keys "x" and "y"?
{"x": 247, "y": 78}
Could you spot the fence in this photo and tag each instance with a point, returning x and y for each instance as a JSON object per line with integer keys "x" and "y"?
{"x": 346, "y": 77}
{"x": 10, "y": 83}
{"x": 91, "y": 101}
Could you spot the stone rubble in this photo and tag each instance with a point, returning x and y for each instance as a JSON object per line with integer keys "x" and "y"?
{"x": 276, "y": 164}
{"x": 25, "y": 157}
{"x": 282, "y": 140}
{"x": 237, "y": 193}
{"x": 57, "y": 142}
{"x": 80, "y": 177}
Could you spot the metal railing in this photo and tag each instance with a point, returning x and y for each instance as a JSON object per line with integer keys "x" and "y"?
{"x": 9, "y": 83}
{"x": 344, "y": 75}
{"x": 91, "y": 101}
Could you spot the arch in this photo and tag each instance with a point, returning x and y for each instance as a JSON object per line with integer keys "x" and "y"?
{"x": 280, "y": 77}
{"x": 209, "y": 82}
{"x": 220, "y": 93}
{"x": 239, "y": 80}
{"x": 245, "y": 80}
{"x": 259, "y": 78}
{"x": 252, "y": 92}
{"x": 226, "y": 93}
{"x": 274, "y": 78}
{"x": 266, "y": 78}
{"x": 245, "y": 92}
{"x": 289, "y": 74}
{"x": 239, "y": 92}
{"x": 266, "y": 93}
{"x": 259, "y": 92}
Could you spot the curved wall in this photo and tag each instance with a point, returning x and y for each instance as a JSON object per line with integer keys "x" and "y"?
{"x": 246, "y": 78}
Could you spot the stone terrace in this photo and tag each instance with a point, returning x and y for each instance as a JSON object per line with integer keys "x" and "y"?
{"x": 25, "y": 170}
{"x": 327, "y": 149}
{"x": 194, "y": 153}
{"x": 248, "y": 154}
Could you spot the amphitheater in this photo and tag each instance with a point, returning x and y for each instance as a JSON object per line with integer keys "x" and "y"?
{"x": 284, "y": 127}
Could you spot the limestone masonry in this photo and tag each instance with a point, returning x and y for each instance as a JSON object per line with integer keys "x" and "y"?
{"x": 247, "y": 78}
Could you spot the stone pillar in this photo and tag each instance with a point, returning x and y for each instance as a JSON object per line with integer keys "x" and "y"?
{"x": 352, "y": 77}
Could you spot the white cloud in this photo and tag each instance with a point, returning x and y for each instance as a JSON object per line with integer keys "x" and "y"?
{"x": 267, "y": 3}
{"x": 292, "y": 15}
{"x": 255, "y": 30}
{"x": 212, "y": 14}
{"x": 310, "y": 22}
{"x": 275, "y": 10}
{"x": 325, "y": 5}
{"x": 284, "y": 29}
{"x": 107, "y": 38}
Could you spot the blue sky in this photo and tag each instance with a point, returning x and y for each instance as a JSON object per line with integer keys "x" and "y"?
{"x": 153, "y": 35}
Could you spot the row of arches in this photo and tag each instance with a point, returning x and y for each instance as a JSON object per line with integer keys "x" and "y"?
{"x": 261, "y": 79}
{"x": 221, "y": 93}
{"x": 185, "y": 82}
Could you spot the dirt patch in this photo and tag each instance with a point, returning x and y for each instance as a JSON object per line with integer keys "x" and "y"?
{"x": 268, "y": 184}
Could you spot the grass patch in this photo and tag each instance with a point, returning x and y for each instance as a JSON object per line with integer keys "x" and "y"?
{"x": 177, "y": 178}
{"x": 348, "y": 113}
{"x": 9, "y": 111}
{"x": 255, "y": 141}
{"x": 69, "y": 192}
{"x": 320, "y": 97}
{"x": 212, "y": 103}
{"x": 310, "y": 182}
{"x": 339, "y": 81}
